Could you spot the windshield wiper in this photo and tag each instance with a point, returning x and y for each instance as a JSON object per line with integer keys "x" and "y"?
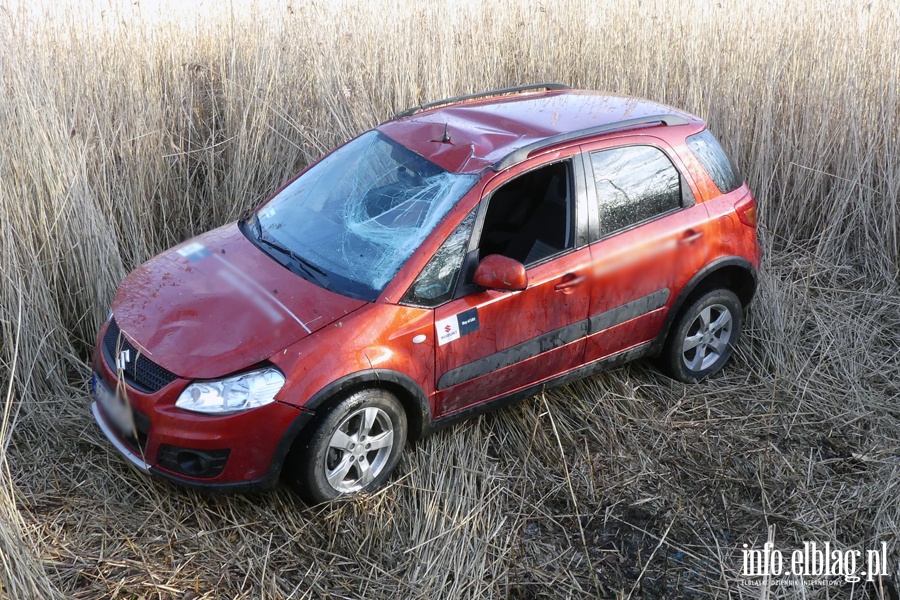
{"x": 304, "y": 265}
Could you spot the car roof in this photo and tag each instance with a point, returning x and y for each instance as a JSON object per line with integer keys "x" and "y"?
{"x": 487, "y": 132}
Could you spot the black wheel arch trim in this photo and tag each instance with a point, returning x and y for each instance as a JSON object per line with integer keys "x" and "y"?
{"x": 418, "y": 411}
{"x": 696, "y": 280}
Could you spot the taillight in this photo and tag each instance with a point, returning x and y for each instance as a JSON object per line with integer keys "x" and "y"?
{"x": 746, "y": 210}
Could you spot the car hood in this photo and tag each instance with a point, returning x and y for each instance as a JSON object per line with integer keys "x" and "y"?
{"x": 217, "y": 304}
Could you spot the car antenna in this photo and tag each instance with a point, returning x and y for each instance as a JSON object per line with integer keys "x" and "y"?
{"x": 445, "y": 138}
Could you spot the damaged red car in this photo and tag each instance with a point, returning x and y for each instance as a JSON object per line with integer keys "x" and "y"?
{"x": 459, "y": 256}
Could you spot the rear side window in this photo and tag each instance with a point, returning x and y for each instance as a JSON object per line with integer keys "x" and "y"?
{"x": 634, "y": 184}
{"x": 710, "y": 154}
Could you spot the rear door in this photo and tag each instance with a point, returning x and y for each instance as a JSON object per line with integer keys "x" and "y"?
{"x": 649, "y": 238}
{"x": 491, "y": 343}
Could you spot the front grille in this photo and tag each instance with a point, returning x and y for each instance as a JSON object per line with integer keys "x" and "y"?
{"x": 140, "y": 372}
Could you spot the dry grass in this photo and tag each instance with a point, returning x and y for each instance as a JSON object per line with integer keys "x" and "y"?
{"x": 123, "y": 132}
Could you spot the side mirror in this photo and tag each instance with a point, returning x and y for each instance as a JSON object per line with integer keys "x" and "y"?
{"x": 498, "y": 272}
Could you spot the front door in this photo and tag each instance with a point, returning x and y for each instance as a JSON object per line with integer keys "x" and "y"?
{"x": 490, "y": 342}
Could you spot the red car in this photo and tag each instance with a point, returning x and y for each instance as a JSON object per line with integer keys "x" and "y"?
{"x": 459, "y": 256}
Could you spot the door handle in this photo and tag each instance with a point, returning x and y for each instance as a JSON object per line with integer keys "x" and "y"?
{"x": 691, "y": 235}
{"x": 569, "y": 281}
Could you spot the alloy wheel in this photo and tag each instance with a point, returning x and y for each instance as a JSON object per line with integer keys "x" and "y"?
{"x": 359, "y": 449}
{"x": 708, "y": 338}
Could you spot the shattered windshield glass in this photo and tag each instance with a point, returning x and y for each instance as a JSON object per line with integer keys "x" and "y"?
{"x": 356, "y": 217}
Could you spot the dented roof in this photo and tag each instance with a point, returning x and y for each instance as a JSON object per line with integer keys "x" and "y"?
{"x": 484, "y": 132}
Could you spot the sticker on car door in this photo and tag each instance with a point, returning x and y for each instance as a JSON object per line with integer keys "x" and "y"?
{"x": 452, "y": 328}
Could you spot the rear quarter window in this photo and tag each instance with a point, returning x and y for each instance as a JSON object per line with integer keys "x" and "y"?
{"x": 717, "y": 164}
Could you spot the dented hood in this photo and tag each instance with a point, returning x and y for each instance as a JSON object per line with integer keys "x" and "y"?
{"x": 217, "y": 304}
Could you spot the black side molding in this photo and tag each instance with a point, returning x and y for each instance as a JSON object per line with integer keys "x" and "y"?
{"x": 598, "y": 366}
{"x": 629, "y": 310}
{"x": 506, "y": 358}
{"x": 554, "y": 339}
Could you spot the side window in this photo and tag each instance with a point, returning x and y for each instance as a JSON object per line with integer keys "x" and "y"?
{"x": 710, "y": 154}
{"x": 634, "y": 183}
{"x": 436, "y": 282}
{"x": 531, "y": 217}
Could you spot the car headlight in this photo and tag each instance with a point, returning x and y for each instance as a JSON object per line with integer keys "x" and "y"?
{"x": 232, "y": 394}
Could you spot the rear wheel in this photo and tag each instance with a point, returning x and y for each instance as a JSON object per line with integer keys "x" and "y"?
{"x": 702, "y": 340}
{"x": 353, "y": 448}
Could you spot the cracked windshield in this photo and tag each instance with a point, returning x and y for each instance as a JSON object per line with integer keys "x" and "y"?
{"x": 353, "y": 219}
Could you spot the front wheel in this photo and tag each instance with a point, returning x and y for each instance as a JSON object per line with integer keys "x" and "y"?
{"x": 354, "y": 448}
{"x": 702, "y": 339}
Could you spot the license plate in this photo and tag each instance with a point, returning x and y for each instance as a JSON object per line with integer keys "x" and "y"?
{"x": 116, "y": 409}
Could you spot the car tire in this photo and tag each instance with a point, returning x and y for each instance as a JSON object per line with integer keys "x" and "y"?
{"x": 352, "y": 448}
{"x": 702, "y": 338}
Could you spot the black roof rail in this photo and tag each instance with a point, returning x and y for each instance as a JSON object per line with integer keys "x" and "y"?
{"x": 522, "y": 153}
{"x": 519, "y": 89}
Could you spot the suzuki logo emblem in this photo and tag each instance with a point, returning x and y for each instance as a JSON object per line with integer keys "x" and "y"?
{"x": 124, "y": 359}
{"x": 447, "y": 328}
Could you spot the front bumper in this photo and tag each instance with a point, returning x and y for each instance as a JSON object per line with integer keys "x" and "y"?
{"x": 253, "y": 443}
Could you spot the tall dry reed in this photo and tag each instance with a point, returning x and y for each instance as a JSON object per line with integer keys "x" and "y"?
{"x": 125, "y": 129}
